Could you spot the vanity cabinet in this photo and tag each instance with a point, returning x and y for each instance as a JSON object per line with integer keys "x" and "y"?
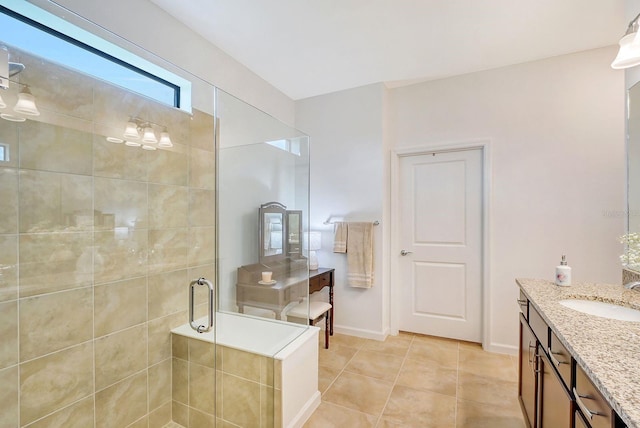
{"x": 553, "y": 390}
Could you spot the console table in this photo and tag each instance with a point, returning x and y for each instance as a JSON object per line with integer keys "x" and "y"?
{"x": 290, "y": 286}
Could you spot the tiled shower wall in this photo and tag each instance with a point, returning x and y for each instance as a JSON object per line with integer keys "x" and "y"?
{"x": 98, "y": 244}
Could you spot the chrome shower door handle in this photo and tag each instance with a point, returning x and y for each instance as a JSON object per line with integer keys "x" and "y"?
{"x": 405, "y": 252}
{"x": 200, "y": 328}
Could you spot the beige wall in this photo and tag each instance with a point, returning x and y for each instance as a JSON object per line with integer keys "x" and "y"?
{"x": 97, "y": 246}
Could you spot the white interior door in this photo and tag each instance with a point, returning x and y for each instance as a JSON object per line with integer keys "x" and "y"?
{"x": 440, "y": 236}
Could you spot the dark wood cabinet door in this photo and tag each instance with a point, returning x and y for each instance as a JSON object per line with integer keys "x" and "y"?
{"x": 527, "y": 381}
{"x": 555, "y": 401}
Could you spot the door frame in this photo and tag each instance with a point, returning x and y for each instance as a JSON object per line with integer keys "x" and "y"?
{"x": 396, "y": 156}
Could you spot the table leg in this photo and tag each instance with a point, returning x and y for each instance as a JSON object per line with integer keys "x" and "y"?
{"x": 331, "y": 310}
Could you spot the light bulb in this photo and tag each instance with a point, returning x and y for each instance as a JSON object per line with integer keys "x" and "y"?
{"x": 131, "y": 131}
{"x": 149, "y": 136}
{"x": 165, "y": 140}
{"x": 26, "y": 103}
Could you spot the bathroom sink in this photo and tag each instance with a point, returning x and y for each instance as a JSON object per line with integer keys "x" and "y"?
{"x": 602, "y": 309}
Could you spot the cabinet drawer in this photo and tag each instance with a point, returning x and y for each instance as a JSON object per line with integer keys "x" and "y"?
{"x": 319, "y": 281}
{"x": 591, "y": 403}
{"x": 539, "y": 326}
{"x": 561, "y": 359}
{"x": 579, "y": 421}
{"x": 523, "y": 302}
{"x": 555, "y": 402}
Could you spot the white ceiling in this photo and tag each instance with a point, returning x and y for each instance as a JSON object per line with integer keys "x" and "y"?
{"x": 311, "y": 47}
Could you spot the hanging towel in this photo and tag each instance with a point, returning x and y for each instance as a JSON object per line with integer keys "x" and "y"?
{"x": 340, "y": 237}
{"x": 360, "y": 255}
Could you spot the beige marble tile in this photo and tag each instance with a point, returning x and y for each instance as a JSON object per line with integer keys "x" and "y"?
{"x": 119, "y": 305}
{"x": 53, "y": 262}
{"x": 415, "y": 408}
{"x": 499, "y": 366}
{"x": 54, "y": 202}
{"x": 429, "y": 377}
{"x": 160, "y": 384}
{"x": 120, "y": 256}
{"x": 74, "y": 149}
{"x": 9, "y": 137}
{"x": 357, "y": 392}
{"x": 202, "y": 130}
{"x": 202, "y": 207}
{"x": 180, "y": 381}
{"x": 143, "y": 422}
{"x": 123, "y": 202}
{"x": 168, "y": 293}
{"x": 198, "y": 419}
{"x": 242, "y": 364}
{"x": 122, "y": 403}
{"x": 375, "y": 364}
{"x": 486, "y": 389}
{"x": 202, "y": 384}
{"x": 179, "y": 347}
{"x": 160, "y": 416}
{"x": 393, "y": 345}
{"x": 202, "y": 353}
{"x": 241, "y": 401}
{"x": 202, "y": 248}
{"x": 478, "y": 415}
{"x": 202, "y": 169}
{"x": 54, "y": 381}
{"x": 160, "y": 335}
{"x": 326, "y": 376}
{"x": 120, "y": 355}
{"x": 337, "y": 356}
{"x": 169, "y": 166}
{"x": 77, "y": 415}
{"x": 55, "y": 321}
{"x": 9, "y": 409}
{"x": 8, "y": 334}
{"x": 168, "y": 206}
{"x": 8, "y": 267}
{"x": 9, "y": 197}
{"x": 180, "y": 413}
{"x": 434, "y": 351}
{"x": 267, "y": 369}
{"x": 267, "y": 410}
{"x": 113, "y": 105}
{"x": 330, "y": 415}
{"x": 117, "y": 160}
{"x": 168, "y": 249}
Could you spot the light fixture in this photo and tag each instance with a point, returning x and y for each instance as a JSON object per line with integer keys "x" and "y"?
{"x": 12, "y": 117}
{"x": 115, "y": 140}
{"x": 26, "y": 103}
{"x": 148, "y": 147}
{"x": 132, "y": 144}
{"x": 315, "y": 243}
{"x": 629, "y": 52}
{"x": 165, "y": 140}
{"x": 149, "y": 136}
{"x": 131, "y": 131}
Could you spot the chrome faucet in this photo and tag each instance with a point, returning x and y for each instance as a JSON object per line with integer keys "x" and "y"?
{"x": 635, "y": 285}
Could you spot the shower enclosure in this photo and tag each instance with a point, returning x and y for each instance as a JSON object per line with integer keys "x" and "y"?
{"x": 103, "y": 231}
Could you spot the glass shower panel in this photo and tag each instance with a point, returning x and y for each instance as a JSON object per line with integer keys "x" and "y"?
{"x": 99, "y": 241}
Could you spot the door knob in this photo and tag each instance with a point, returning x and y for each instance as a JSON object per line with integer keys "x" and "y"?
{"x": 405, "y": 252}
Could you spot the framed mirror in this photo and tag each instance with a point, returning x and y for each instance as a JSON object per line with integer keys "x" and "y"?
{"x": 273, "y": 231}
{"x": 631, "y": 259}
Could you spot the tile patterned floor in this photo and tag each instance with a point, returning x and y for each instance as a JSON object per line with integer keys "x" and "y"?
{"x": 415, "y": 381}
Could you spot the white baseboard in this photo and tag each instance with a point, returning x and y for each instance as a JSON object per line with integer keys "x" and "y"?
{"x": 501, "y": 348}
{"x": 365, "y": 334}
{"x": 307, "y": 410}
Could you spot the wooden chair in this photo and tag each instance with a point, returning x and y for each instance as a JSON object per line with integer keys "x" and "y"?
{"x": 317, "y": 311}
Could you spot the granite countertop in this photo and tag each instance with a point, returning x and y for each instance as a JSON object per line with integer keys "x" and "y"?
{"x": 608, "y": 350}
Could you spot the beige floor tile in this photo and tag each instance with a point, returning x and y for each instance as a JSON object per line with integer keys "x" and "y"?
{"x": 410, "y": 407}
{"x": 434, "y": 351}
{"x": 487, "y": 390}
{"x": 478, "y": 415}
{"x": 488, "y": 364}
{"x": 326, "y": 376}
{"x": 333, "y": 416}
{"x": 337, "y": 356}
{"x": 429, "y": 377}
{"x": 357, "y": 392}
{"x": 343, "y": 340}
{"x": 375, "y": 364}
{"x": 393, "y": 345}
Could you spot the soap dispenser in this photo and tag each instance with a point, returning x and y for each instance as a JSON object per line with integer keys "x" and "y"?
{"x": 563, "y": 273}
